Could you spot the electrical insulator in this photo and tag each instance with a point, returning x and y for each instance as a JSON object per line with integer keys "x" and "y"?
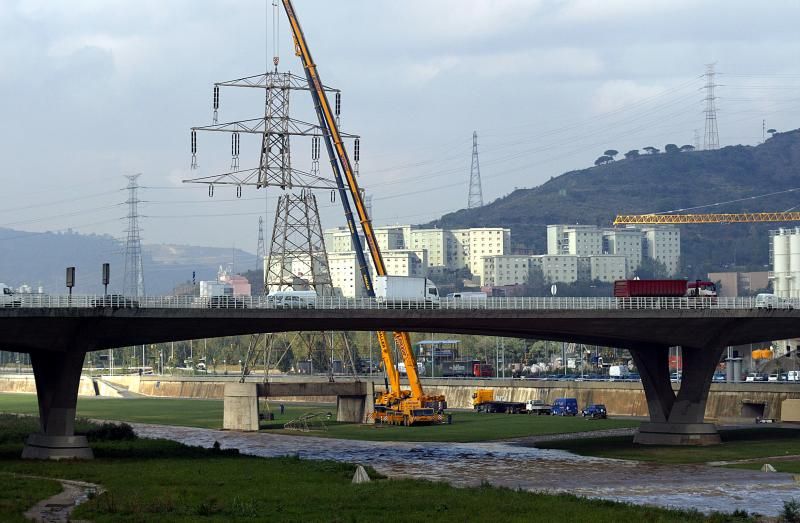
{"x": 194, "y": 142}
{"x": 238, "y": 191}
{"x": 338, "y": 103}
{"x": 210, "y": 190}
{"x": 216, "y": 97}
{"x": 315, "y": 148}
{"x": 357, "y": 149}
{"x": 333, "y": 196}
{"x": 235, "y": 143}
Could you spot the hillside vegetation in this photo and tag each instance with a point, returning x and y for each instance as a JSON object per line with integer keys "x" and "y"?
{"x": 656, "y": 183}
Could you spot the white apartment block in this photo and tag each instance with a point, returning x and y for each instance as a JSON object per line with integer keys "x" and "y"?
{"x": 557, "y": 267}
{"x": 508, "y": 269}
{"x": 607, "y": 267}
{"x": 472, "y": 245}
{"x": 579, "y": 240}
{"x": 340, "y": 240}
{"x": 449, "y": 249}
{"x": 345, "y": 274}
{"x": 663, "y": 244}
{"x": 390, "y": 238}
{"x": 435, "y": 241}
{"x": 625, "y": 242}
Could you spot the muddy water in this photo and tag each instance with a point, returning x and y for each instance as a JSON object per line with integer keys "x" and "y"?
{"x": 507, "y": 464}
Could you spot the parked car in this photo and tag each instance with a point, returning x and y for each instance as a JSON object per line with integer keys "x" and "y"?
{"x": 564, "y": 407}
{"x": 115, "y": 301}
{"x": 595, "y": 411}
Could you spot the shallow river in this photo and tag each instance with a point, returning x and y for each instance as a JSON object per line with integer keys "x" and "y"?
{"x": 508, "y": 464}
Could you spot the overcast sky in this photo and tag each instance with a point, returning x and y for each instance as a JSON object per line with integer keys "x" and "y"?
{"x": 91, "y": 90}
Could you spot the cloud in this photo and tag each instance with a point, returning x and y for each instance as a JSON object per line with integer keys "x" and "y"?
{"x": 555, "y": 62}
{"x": 596, "y": 10}
{"x": 614, "y": 94}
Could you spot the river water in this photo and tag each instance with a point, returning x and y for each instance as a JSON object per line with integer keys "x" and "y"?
{"x": 509, "y": 464}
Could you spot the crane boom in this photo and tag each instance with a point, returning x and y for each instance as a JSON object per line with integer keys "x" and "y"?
{"x": 747, "y": 217}
{"x": 333, "y": 140}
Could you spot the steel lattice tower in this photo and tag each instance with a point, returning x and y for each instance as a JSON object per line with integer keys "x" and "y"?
{"x": 711, "y": 139}
{"x": 475, "y": 190}
{"x": 297, "y": 257}
{"x": 134, "y": 270}
{"x": 261, "y": 251}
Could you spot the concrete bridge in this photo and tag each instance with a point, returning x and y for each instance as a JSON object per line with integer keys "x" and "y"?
{"x": 58, "y": 338}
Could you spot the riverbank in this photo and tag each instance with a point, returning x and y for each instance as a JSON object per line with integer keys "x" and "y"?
{"x": 168, "y": 481}
{"x": 737, "y": 444}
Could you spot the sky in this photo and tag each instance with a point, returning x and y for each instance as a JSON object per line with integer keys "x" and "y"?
{"x": 93, "y": 90}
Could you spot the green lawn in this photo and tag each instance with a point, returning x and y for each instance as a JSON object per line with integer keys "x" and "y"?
{"x": 736, "y": 444}
{"x": 471, "y": 426}
{"x": 790, "y": 466}
{"x": 156, "y": 480}
{"x": 467, "y": 426}
{"x": 19, "y": 494}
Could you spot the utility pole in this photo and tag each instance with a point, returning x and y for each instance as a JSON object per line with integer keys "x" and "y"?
{"x": 475, "y": 191}
{"x": 134, "y": 271}
{"x": 711, "y": 140}
{"x": 261, "y": 252}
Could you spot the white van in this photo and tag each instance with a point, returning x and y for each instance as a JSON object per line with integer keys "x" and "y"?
{"x": 292, "y": 299}
{"x": 8, "y": 298}
{"x": 770, "y": 301}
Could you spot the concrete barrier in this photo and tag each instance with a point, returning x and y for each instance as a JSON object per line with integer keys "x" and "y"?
{"x": 241, "y": 407}
{"x": 790, "y": 410}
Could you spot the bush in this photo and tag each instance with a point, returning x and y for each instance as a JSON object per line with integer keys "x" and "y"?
{"x": 790, "y": 512}
{"x": 111, "y": 432}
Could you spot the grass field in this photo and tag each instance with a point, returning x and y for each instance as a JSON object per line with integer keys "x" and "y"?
{"x": 467, "y": 426}
{"x": 736, "y": 444}
{"x": 156, "y": 480}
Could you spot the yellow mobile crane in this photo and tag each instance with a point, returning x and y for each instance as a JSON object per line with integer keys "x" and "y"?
{"x": 396, "y": 406}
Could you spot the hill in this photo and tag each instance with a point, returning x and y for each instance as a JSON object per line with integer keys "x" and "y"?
{"x": 41, "y": 258}
{"x": 656, "y": 183}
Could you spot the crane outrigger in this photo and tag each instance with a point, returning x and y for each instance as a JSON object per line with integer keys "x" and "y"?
{"x": 396, "y": 406}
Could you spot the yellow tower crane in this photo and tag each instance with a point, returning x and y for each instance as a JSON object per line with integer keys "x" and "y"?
{"x": 746, "y": 217}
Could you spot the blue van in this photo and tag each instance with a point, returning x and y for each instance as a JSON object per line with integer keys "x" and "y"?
{"x": 565, "y": 407}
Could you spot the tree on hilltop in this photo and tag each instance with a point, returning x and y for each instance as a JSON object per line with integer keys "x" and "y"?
{"x": 611, "y": 153}
{"x": 603, "y": 160}
{"x": 650, "y": 149}
{"x": 687, "y": 148}
{"x": 633, "y": 153}
{"x": 671, "y": 148}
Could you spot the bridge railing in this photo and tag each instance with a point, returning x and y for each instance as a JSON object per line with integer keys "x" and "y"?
{"x": 337, "y": 302}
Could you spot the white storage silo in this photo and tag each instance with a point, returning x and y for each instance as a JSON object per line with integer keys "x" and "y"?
{"x": 794, "y": 263}
{"x": 780, "y": 251}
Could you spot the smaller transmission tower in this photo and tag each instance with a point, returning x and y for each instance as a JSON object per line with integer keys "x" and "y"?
{"x": 711, "y": 140}
{"x": 475, "y": 190}
{"x": 261, "y": 251}
{"x": 134, "y": 271}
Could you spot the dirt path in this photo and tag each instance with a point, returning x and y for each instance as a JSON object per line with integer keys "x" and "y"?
{"x": 56, "y": 509}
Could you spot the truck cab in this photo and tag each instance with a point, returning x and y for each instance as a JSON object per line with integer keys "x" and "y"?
{"x": 8, "y": 298}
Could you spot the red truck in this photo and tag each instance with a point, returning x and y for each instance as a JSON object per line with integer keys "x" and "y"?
{"x": 663, "y": 288}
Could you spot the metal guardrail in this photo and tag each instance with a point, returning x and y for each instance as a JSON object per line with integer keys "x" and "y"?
{"x": 333, "y": 302}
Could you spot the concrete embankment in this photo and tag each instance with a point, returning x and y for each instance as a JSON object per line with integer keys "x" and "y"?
{"x": 621, "y": 398}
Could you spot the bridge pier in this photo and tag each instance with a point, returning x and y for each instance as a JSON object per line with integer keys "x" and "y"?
{"x": 57, "y": 376}
{"x": 677, "y": 420}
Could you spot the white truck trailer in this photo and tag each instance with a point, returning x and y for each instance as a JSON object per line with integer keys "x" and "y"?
{"x": 397, "y": 289}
